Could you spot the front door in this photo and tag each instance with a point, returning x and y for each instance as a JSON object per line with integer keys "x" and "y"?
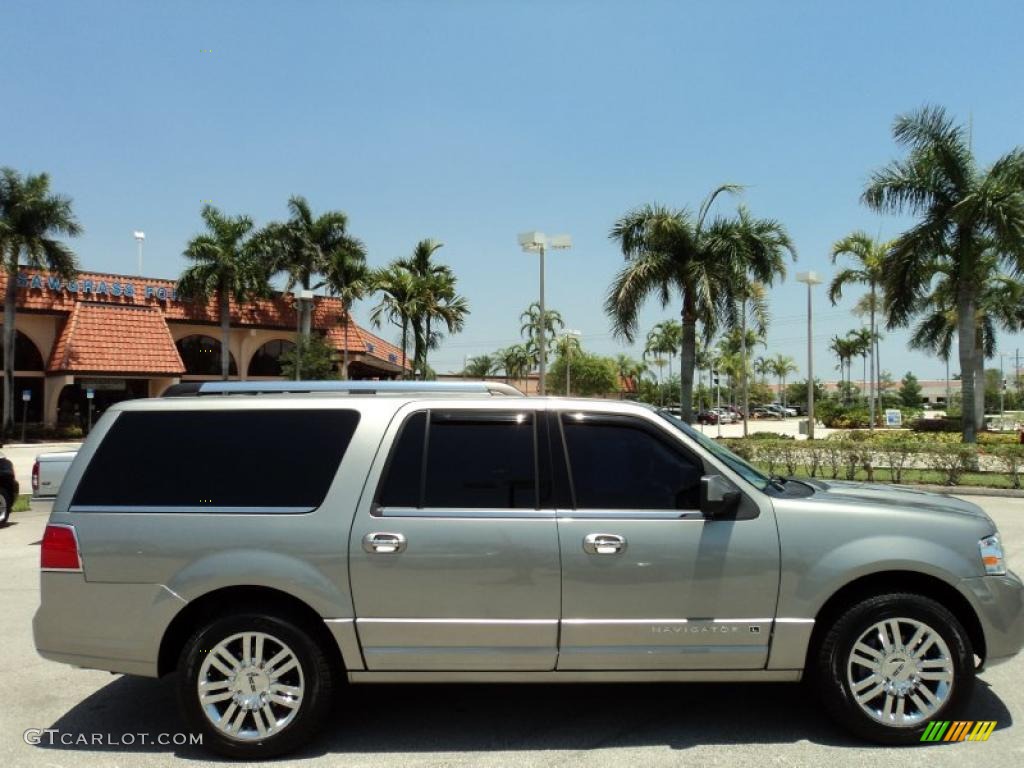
{"x": 647, "y": 582}
{"x": 455, "y": 564}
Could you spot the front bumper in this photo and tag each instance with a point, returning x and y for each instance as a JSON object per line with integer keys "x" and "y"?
{"x": 999, "y": 603}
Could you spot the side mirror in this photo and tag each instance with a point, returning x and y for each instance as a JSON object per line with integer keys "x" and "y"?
{"x": 718, "y": 497}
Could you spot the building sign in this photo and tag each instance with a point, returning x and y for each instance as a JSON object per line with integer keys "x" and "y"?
{"x": 893, "y": 417}
{"x": 95, "y": 288}
{"x": 110, "y": 385}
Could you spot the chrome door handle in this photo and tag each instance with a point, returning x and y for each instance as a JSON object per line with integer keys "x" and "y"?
{"x": 604, "y": 544}
{"x": 384, "y": 543}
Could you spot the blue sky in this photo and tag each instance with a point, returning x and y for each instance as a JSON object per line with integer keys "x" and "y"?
{"x": 470, "y": 121}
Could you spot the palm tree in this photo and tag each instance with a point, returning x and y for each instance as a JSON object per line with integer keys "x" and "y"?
{"x": 431, "y": 278}
{"x": 863, "y": 341}
{"x": 347, "y": 277}
{"x": 782, "y": 366}
{"x": 305, "y": 247}
{"x": 1000, "y": 306}
{"x": 868, "y": 256}
{"x": 481, "y": 366}
{"x": 530, "y": 328}
{"x": 30, "y": 219}
{"x": 629, "y": 369}
{"x": 962, "y": 211}
{"x": 664, "y": 339}
{"x": 399, "y": 303}
{"x": 224, "y": 265}
{"x": 516, "y": 361}
{"x": 669, "y": 251}
{"x": 438, "y": 304}
{"x": 843, "y": 350}
{"x": 762, "y": 367}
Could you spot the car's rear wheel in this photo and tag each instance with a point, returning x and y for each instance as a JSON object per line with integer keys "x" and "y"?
{"x": 254, "y": 685}
{"x": 893, "y": 663}
{"x": 5, "y": 507}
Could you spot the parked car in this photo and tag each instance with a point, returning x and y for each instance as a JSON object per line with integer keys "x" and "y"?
{"x": 8, "y": 489}
{"x": 707, "y": 417}
{"x": 48, "y": 472}
{"x": 725, "y": 416}
{"x": 785, "y": 410}
{"x": 763, "y": 412}
{"x": 401, "y": 533}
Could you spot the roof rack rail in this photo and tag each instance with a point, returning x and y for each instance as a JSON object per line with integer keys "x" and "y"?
{"x": 201, "y": 388}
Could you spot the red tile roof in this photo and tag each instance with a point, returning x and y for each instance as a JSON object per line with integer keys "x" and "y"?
{"x": 45, "y": 293}
{"x": 103, "y": 338}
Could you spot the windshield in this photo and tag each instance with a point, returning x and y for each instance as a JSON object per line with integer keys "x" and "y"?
{"x": 735, "y": 463}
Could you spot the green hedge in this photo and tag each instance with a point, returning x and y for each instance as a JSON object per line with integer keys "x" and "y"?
{"x": 894, "y": 458}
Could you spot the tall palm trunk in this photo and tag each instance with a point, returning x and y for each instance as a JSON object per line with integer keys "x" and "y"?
{"x": 306, "y": 310}
{"x": 225, "y": 332}
{"x": 979, "y": 379}
{"x": 746, "y": 389}
{"x": 426, "y": 347}
{"x": 687, "y": 359}
{"x": 344, "y": 350}
{"x": 966, "y": 336}
{"x": 872, "y": 390}
{"x": 405, "y": 342}
{"x": 10, "y": 295}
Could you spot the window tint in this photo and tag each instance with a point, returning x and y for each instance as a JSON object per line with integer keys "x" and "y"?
{"x": 401, "y": 487}
{"x": 480, "y": 463}
{"x": 252, "y": 458}
{"x": 616, "y": 465}
{"x": 475, "y": 460}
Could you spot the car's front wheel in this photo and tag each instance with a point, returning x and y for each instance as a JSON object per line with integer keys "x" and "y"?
{"x": 254, "y": 685}
{"x": 893, "y": 663}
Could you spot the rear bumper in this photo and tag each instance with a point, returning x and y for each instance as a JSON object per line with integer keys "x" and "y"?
{"x": 999, "y": 602}
{"x": 115, "y": 627}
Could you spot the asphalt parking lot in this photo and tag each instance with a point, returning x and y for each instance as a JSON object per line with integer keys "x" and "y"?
{"x": 592, "y": 725}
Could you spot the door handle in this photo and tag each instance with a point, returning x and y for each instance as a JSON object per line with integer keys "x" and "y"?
{"x": 604, "y": 544}
{"x": 384, "y": 543}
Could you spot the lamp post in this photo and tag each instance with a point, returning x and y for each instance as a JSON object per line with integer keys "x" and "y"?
{"x": 539, "y": 242}
{"x": 811, "y": 279}
{"x": 569, "y": 335}
{"x": 139, "y": 238}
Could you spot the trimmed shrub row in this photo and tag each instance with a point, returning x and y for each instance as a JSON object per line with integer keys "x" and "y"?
{"x": 880, "y": 459}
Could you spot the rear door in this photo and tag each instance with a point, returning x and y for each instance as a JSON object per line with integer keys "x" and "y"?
{"x": 647, "y": 581}
{"x": 454, "y": 563}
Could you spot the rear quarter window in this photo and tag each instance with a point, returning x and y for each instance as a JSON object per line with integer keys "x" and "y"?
{"x": 218, "y": 459}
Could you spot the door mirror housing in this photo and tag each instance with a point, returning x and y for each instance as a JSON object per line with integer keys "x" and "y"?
{"x": 718, "y": 497}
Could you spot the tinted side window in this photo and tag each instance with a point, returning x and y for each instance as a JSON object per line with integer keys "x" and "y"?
{"x": 401, "y": 487}
{"x": 616, "y": 465}
{"x": 252, "y": 458}
{"x": 481, "y": 461}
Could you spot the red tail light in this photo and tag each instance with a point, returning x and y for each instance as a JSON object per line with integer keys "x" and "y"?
{"x": 35, "y": 476}
{"x": 60, "y": 549}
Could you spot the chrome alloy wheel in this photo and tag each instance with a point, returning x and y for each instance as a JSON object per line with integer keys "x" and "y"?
{"x": 900, "y": 672}
{"x": 250, "y": 686}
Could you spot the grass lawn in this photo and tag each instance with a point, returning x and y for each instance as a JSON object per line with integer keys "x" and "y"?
{"x": 21, "y": 503}
{"x": 909, "y": 476}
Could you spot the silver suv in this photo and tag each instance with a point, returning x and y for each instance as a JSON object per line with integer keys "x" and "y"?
{"x": 266, "y": 542}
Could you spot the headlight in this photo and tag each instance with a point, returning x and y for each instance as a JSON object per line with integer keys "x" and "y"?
{"x": 992, "y": 555}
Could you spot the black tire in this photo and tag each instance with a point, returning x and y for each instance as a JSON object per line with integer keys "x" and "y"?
{"x": 316, "y": 673}
{"x": 830, "y": 667}
{"x": 5, "y": 506}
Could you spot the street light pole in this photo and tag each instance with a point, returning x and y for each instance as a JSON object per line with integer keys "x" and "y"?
{"x": 139, "y": 238}
{"x": 538, "y": 241}
{"x": 569, "y": 335}
{"x": 811, "y": 279}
